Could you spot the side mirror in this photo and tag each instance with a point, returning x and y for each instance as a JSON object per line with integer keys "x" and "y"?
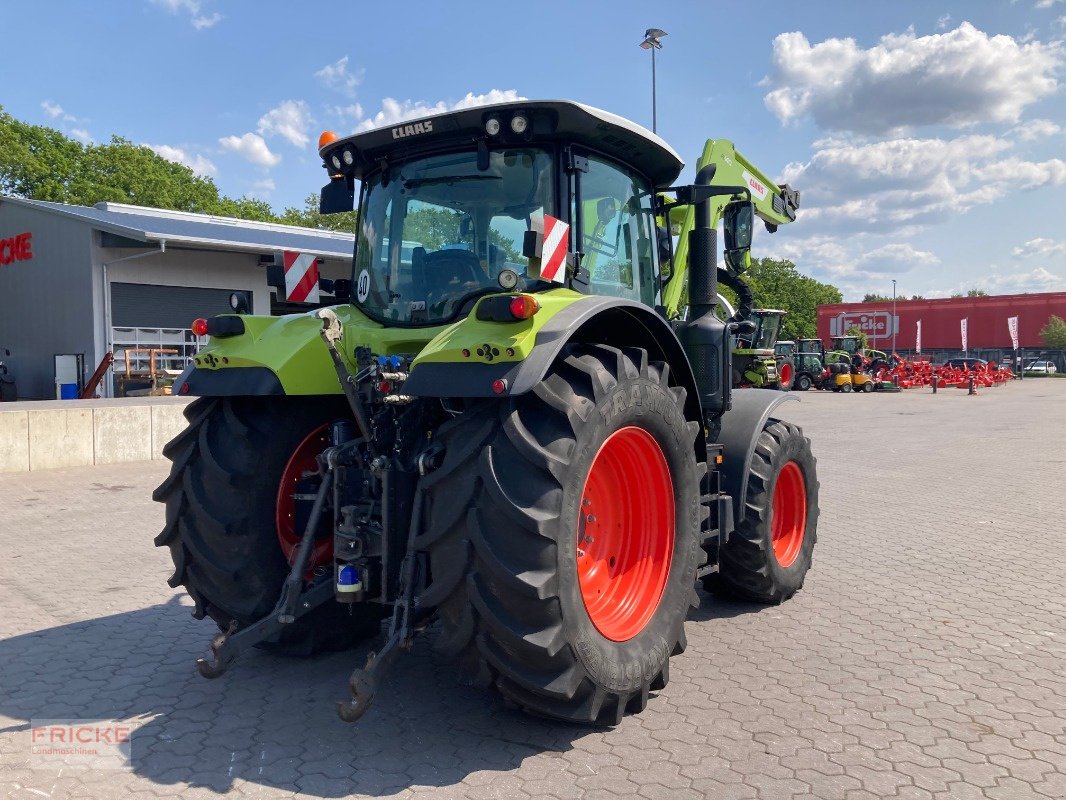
{"x": 532, "y": 244}
{"x": 342, "y": 290}
{"x": 337, "y": 197}
{"x": 737, "y": 224}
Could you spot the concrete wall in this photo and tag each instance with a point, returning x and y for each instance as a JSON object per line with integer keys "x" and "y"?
{"x": 46, "y": 302}
{"x": 78, "y": 433}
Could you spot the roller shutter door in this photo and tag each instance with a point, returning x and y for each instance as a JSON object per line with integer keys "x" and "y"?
{"x": 139, "y": 305}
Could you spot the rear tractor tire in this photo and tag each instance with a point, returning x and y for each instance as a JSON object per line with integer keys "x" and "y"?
{"x": 562, "y": 531}
{"x": 231, "y": 521}
{"x": 768, "y": 555}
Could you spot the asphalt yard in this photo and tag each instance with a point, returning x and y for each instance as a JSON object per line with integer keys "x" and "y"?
{"x": 925, "y": 658}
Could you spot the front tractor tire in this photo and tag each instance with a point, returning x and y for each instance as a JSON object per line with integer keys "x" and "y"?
{"x": 236, "y": 469}
{"x": 767, "y": 557}
{"x": 562, "y": 532}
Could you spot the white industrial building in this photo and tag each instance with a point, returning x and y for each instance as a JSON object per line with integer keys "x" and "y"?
{"x": 78, "y": 282}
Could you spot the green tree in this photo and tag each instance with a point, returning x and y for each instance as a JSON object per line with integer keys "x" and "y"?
{"x": 778, "y": 284}
{"x": 977, "y": 293}
{"x": 41, "y": 163}
{"x": 871, "y": 297}
{"x": 1054, "y": 333}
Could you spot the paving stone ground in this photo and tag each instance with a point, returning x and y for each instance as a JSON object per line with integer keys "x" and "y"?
{"x": 925, "y": 658}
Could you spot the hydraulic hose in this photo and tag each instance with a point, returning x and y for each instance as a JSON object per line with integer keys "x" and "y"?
{"x": 745, "y": 298}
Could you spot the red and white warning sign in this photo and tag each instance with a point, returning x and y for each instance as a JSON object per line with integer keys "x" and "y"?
{"x": 301, "y": 277}
{"x": 553, "y": 253}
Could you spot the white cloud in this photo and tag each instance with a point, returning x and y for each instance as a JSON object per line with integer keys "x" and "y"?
{"x": 206, "y": 21}
{"x": 261, "y": 189}
{"x": 394, "y": 111}
{"x": 289, "y": 120}
{"x": 1036, "y": 129}
{"x": 251, "y": 147}
{"x": 888, "y": 185}
{"x": 942, "y": 23}
{"x": 82, "y": 135}
{"x": 958, "y": 78}
{"x": 193, "y": 9}
{"x": 1041, "y": 247}
{"x": 1047, "y": 3}
{"x": 353, "y": 111}
{"x": 891, "y": 259}
{"x": 1037, "y": 280}
{"x": 174, "y": 6}
{"x": 855, "y": 265}
{"x": 55, "y": 111}
{"x": 197, "y": 163}
{"x": 336, "y": 76}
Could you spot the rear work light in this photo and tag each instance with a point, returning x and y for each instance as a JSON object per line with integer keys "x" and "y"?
{"x": 199, "y": 327}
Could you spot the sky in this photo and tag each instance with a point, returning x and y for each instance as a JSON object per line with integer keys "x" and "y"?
{"x": 927, "y": 138}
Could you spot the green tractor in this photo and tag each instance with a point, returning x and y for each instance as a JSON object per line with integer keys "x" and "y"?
{"x": 756, "y": 362}
{"x": 509, "y": 433}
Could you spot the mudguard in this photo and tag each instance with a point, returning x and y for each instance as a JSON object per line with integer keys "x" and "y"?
{"x": 741, "y": 426}
{"x": 612, "y": 320}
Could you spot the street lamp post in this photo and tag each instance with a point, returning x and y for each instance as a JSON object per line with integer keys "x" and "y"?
{"x": 651, "y": 42}
{"x": 893, "y": 316}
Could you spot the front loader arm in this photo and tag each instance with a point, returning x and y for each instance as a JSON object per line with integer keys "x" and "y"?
{"x": 774, "y": 204}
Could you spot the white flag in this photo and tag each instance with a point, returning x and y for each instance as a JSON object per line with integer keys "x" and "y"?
{"x": 1012, "y": 325}
{"x": 964, "y": 347}
{"x": 918, "y": 341}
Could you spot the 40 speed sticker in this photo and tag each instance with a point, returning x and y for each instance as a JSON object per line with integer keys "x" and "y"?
{"x": 362, "y": 286}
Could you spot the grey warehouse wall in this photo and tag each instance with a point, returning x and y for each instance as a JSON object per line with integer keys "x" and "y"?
{"x": 46, "y": 302}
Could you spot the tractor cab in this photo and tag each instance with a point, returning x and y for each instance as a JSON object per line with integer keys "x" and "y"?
{"x": 515, "y": 197}
{"x": 846, "y": 344}
{"x": 762, "y": 340}
{"x": 810, "y": 346}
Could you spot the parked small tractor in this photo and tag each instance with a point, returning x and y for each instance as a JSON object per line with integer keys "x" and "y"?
{"x": 512, "y": 434}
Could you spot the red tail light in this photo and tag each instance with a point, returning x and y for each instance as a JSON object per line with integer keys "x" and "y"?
{"x": 524, "y": 306}
{"x": 199, "y": 327}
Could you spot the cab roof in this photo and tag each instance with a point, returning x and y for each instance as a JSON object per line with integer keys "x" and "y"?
{"x": 548, "y": 121}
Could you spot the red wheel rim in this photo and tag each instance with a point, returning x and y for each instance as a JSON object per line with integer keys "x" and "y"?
{"x": 786, "y": 374}
{"x": 300, "y": 462}
{"x": 625, "y": 533}
{"x": 788, "y": 517}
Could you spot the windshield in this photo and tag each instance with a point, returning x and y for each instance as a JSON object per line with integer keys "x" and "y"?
{"x": 436, "y": 232}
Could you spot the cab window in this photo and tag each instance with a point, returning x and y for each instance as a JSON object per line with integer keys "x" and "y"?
{"x": 618, "y": 232}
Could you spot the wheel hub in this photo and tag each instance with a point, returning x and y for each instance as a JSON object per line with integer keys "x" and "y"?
{"x": 788, "y": 515}
{"x": 290, "y": 530}
{"x": 625, "y": 536}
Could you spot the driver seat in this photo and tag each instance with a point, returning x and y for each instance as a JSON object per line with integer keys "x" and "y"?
{"x": 445, "y": 270}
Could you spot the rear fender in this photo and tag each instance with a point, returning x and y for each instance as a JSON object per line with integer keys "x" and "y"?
{"x": 741, "y": 426}
{"x": 604, "y": 320}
